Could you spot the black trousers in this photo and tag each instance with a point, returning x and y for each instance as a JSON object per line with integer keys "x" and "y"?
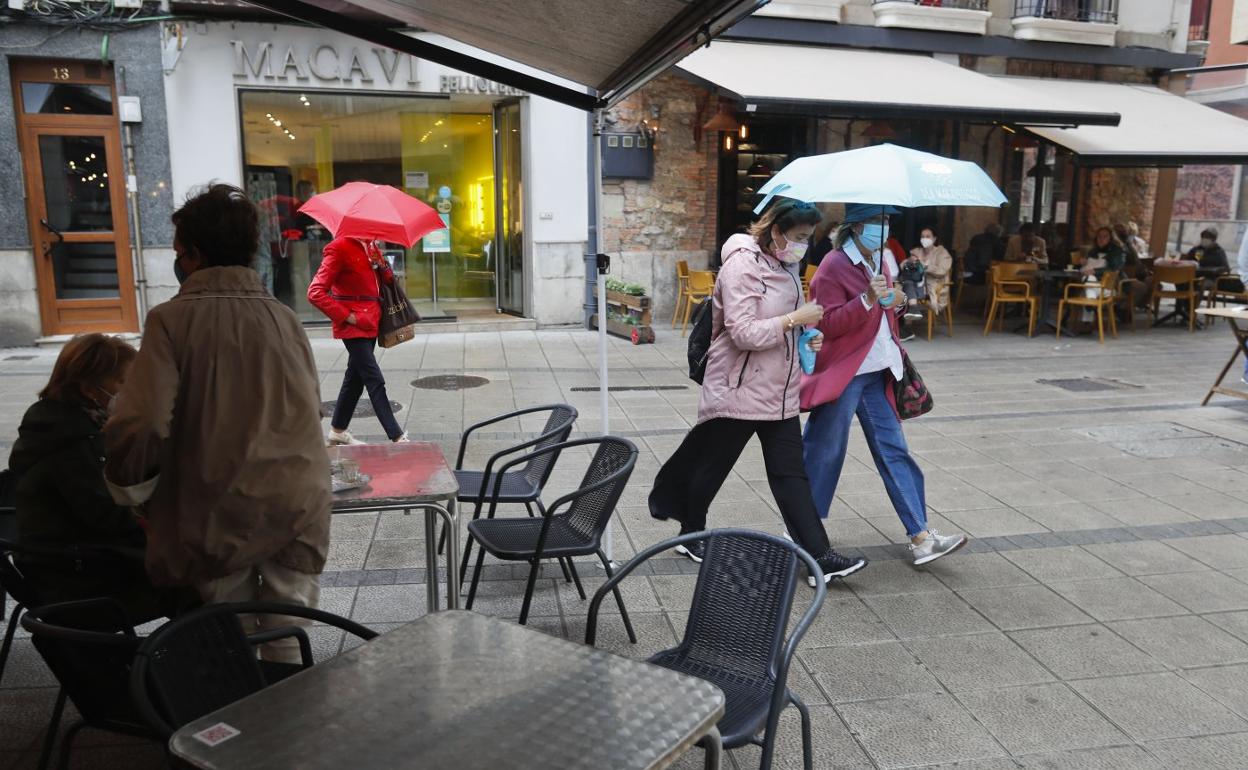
{"x": 363, "y": 372}
{"x": 690, "y": 479}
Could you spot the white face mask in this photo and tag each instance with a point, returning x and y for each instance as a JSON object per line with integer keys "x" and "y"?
{"x": 1206, "y": 242}
{"x": 927, "y": 242}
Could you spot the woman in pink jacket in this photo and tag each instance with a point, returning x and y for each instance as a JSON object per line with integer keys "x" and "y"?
{"x": 347, "y": 289}
{"x": 855, "y": 372}
{"x": 751, "y": 388}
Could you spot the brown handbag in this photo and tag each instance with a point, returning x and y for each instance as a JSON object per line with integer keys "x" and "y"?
{"x": 398, "y": 316}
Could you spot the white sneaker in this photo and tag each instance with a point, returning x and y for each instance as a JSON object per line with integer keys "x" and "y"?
{"x": 402, "y": 440}
{"x": 341, "y": 438}
{"x": 936, "y": 545}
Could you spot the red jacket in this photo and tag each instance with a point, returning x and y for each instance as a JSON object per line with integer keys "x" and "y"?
{"x": 848, "y": 327}
{"x": 348, "y": 283}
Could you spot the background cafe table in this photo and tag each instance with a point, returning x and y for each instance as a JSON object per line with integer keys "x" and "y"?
{"x": 460, "y": 690}
{"x": 1232, "y": 315}
{"x": 408, "y": 477}
{"x": 1052, "y": 280}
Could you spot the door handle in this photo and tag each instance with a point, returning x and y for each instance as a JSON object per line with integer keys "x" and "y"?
{"x": 47, "y": 245}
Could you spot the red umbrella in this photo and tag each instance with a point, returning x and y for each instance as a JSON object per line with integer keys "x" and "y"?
{"x": 368, "y": 211}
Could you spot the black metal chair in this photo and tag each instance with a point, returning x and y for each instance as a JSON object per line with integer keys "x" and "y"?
{"x": 10, "y": 578}
{"x": 578, "y": 531}
{"x": 522, "y": 485}
{"x": 89, "y": 646}
{"x": 204, "y": 660}
{"x": 735, "y": 637}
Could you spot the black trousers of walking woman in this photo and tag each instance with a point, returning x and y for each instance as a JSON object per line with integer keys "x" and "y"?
{"x": 690, "y": 479}
{"x": 363, "y": 372}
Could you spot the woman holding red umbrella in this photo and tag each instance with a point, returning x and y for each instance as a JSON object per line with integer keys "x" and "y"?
{"x": 347, "y": 289}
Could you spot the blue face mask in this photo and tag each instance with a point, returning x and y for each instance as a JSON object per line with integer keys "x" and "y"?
{"x": 873, "y": 236}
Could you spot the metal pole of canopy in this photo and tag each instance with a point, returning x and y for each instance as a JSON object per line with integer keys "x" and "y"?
{"x": 604, "y": 266}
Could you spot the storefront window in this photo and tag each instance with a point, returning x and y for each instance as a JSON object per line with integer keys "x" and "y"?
{"x": 438, "y": 150}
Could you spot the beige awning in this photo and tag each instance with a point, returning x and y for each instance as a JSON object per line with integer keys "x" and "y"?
{"x": 1158, "y": 128}
{"x": 610, "y": 47}
{"x": 855, "y": 83}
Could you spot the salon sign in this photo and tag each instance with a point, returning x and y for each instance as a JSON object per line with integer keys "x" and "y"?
{"x": 326, "y": 64}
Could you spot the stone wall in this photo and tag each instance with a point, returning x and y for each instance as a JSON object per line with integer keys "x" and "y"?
{"x": 649, "y": 224}
{"x": 1118, "y": 195}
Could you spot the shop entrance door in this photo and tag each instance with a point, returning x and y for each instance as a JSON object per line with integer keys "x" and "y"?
{"x": 75, "y": 195}
{"x": 509, "y": 207}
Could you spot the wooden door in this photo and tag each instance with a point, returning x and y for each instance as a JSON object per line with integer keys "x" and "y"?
{"x": 75, "y": 196}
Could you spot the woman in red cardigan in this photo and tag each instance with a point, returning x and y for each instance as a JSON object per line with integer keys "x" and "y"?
{"x": 347, "y": 289}
{"x": 854, "y": 374}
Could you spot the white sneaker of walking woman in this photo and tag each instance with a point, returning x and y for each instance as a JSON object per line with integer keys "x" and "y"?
{"x": 341, "y": 438}
{"x": 934, "y": 545}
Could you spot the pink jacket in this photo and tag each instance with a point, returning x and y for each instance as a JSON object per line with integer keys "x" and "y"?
{"x": 848, "y": 328}
{"x": 752, "y": 372}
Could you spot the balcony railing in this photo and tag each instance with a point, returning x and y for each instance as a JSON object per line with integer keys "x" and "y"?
{"x": 966, "y": 5}
{"x": 1089, "y": 11}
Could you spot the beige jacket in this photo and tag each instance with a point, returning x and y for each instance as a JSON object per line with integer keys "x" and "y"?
{"x": 219, "y": 424}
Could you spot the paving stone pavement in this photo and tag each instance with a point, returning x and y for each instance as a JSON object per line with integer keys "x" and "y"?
{"x": 1098, "y": 619}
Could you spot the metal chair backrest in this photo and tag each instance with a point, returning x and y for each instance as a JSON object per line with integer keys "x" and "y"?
{"x": 682, "y": 270}
{"x": 193, "y": 666}
{"x": 701, "y": 281}
{"x": 741, "y": 604}
{"x": 1109, "y": 282}
{"x": 589, "y": 508}
{"x": 558, "y": 428}
{"x": 89, "y": 646}
{"x": 1177, "y": 274}
{"x": 203, "y": 661}
{"x": 8, "y": 491}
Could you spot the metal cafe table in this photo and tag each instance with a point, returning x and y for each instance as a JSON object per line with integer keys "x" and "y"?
{"x": 1231, "y": 314}
{"x": 460, "y": 690}
{"x": 410, "y": 477}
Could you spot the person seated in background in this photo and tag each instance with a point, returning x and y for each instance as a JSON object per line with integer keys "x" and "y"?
{"x": 1105, "y": 253}
{"x": 937, "y": 264}
{"x": 61, "y": 499}
{"x": 1026, "y": 246}
{"x": 1208, "y": 253}
{"x": 982, "y": 251}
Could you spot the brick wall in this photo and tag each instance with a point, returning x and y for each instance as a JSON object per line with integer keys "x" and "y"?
{"x": 649, "y": 224}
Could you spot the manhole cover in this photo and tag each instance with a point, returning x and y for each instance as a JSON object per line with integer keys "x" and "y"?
{"x": 627, "y": 388}
{"x": 362, "y": 409}
{"x": 1089, "y": 384}
{"x": 19, "y": 358}
{"x": 449, "y": 382}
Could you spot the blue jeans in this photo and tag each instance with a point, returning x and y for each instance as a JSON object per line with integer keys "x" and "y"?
{"x": 827, "y": 440}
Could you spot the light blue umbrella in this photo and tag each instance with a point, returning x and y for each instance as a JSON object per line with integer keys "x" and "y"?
{"x": 885, "y": 174}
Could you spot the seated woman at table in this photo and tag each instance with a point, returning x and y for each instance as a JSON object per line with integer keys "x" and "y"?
{"x": 61, "y": 498}
{"x": 1026, "y": 246}
{"x": 937, "y": 264}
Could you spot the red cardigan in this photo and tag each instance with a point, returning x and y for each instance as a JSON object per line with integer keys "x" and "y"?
{"x": 848, "y": 327}
{"x": 346, "y": 283}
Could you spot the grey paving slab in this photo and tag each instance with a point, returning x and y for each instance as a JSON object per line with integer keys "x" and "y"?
{"x": 1018, "y": 607}
{"x": 1070, "y": 563}
{"x": 1145, "y": 558}
{"x": 846, "y": 621}
{"x": 1183, "y": 642}
{"x": 1202, "y": 752}
{"x": 978, "y": 662}
{"x": 1154, "y": 706}
{"x": 1041, "y": 718}
{"x": 1235, "y": 622}
{"x": 978, "y": 570}
{"x": 1117, "y": 599}
{"x": 835, "y": 748}
{"x": 913, "y": 616}
{"x": 869, "y": 671}
{"x": 1226, "y": 684}
{"x": 994, "y": 522}
{"x": 918, "y": 729}
{"x": 1220, "y": 551}
{"x": 1201, "y": 591}
{"x": 1116, "y": 758}
{"x": 894, "y": 577}
{"x": 1083, "y": 652}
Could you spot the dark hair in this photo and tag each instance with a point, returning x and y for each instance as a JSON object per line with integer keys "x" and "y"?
{"x": 1027, "y": 228}
{"x": 1113, "y": 237}
{"x": 86, "y": 360}
{"x": 1210, "y": 233}
{"x": 785, "y": 215}
{"x": 221, "y": 224}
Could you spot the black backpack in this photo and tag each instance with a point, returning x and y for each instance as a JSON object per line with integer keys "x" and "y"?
{"x": 700, "y": 339}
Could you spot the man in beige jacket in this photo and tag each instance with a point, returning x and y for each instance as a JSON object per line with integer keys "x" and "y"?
{"x": 217, "y": 431}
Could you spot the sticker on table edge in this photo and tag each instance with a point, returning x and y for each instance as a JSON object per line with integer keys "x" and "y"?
{"x": 216, "y": 734}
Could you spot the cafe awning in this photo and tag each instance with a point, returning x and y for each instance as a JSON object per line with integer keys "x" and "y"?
{"x": 1158, "y": 128}
{"x": 607, "y": 47}
{"x": 853, "y": 83}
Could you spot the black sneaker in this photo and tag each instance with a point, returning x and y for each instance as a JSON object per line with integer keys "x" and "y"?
{"x": 696, "y": 551}
{"x": 835, "y": 566}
